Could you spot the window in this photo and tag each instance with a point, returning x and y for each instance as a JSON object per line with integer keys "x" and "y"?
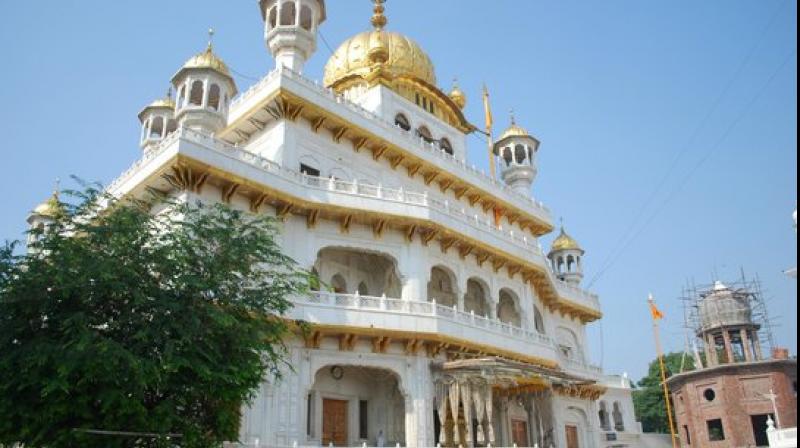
{"x": 288, "y": 12}
{"x": 716, "y": 432}
{"x": 310, "y": 415}
{"x": 402, "y": 122}
{"x": 196, "y": 94}
{"x": 363, "y": 419}
{"x": 446, "y": 146}
{"x": 425, "y": 134}
{"x": 273, "y": 17}
{"x": 520, "y": 154}
{"x": 306, "y": 18}
{"x": 214, "y": 97}
{"x": 309, "y": 171}
{"x": 157, "y": 128}
{"x": 709, "y": 395}
{"x": 538, "y": 320}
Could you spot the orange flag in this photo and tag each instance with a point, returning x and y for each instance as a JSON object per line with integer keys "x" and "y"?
{"x": 655, "y": 312}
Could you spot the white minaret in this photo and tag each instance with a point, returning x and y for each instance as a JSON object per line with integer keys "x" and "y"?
{"x": 566, "y": 258}
{"x": 516, "y": 156}
{"x": 158, "y": 121}
{"x": 205, "y": 88}
{"x": 290, "y": 30}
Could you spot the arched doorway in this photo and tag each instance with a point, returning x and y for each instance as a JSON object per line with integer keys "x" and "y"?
{"x": 476, "y": 298}
{"x": 349, "y": 405}
{"x": 441, "y": 287}
{"x": 508, "y": 308}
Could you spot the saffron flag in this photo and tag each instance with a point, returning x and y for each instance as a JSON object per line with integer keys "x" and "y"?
{"x": 487, "y": 109}
{"x": 655, "y": 312}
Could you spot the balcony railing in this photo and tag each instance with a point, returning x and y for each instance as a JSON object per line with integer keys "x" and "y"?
{"x": 399, "y": 136}
{"x": 425, "y": 309}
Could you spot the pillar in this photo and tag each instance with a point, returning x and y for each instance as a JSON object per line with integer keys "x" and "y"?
{"x": 748, "y": 354}
{"x": 726, "y": 336}
{"x": 757, "y": 345}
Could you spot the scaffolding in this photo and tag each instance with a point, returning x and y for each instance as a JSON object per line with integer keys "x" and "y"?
{"x": 693, "y": 293}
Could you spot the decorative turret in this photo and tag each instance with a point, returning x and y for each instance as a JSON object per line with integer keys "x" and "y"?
{"x": 158, "y": 121}
{"x": 566, "y": 258}
{"x": 458, "y": 96}
{"x": 516, "y": 150}
{"x": 43, "y": 216}
{"x": 205, "y": 87}
{"x": 291, "y": 30}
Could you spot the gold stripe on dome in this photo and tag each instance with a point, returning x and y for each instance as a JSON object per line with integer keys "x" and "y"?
{"x": 278, "y": 105}
{"x": 532, "y": 273}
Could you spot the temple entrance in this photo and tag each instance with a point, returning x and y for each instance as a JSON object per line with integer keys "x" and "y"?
{"x": 572, "y": 436}
{"x": 519, "y": 432}
{"x": 334, "y": 422}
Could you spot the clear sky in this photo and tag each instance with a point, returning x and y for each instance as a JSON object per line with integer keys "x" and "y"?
{"x": 618, "y": 92}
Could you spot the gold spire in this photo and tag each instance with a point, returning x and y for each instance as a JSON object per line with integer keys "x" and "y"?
{"x": 211, "y": 33}
{"x": 565, "y": 242}
{"x": 457, "y": 95}
{"x": 379, "y": 20}
{"x": 514, "y": 130}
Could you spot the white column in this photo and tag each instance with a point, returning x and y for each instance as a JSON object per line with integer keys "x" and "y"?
{"x": 419, "y": 404}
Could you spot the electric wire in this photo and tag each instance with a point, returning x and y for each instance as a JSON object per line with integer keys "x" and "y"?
{"x": 695, "y": 134}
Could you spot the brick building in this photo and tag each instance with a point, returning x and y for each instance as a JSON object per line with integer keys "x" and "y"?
{"x": 736, "y": 390}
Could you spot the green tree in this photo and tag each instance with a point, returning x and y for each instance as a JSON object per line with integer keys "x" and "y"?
{"x": 124, "y": 320}
{"x": 648, "y": 398}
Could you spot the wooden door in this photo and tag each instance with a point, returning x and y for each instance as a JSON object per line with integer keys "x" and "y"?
{"x": 519, "y": 432}
{"x": 572, "y": 437}
{"x": 334, "y": 422}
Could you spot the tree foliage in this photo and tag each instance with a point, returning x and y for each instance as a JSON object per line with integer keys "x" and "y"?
{"x": 648, "y": 398}
{"x": 125, "y": 320}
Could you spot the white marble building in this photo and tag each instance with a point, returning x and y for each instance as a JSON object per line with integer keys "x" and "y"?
{"x": 440, "y": 318}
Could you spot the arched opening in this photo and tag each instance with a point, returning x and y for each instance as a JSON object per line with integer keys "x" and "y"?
{"x": 375, "y": 273}
{"x": 157, "y": 128}
{"x": 441, "y": 287}
{"x": 560, "y": 265}
{"x": 288, "y": 13}
{"x": 402, "y": 122}
{"x": 446, "y": 146}
{"x": 425, "y": 134}
{"x": 538, "y": 320}
{"x": 507, "y": 156}
{"x": 619, "y": 423}
{"x": 339, "y": 284}
{"x": 214, "y": 97}
{"x": 576, "y": 428}
{"x": 196, "y": 94}
{"x": 352, "y": 405}
{"x": 570, "y": 263}
{"x": 181, "y": 96}
{"x": 306, "y": 18}
{"x": 605, "y": 423}
{"x": 568, "y": 344}
{"x": 508, "y": 309}
{"x": 273, "y": 17}
{"x": 476, "y": 298}
{"x": 520, "y": 154}
{"x": 172, "y": 126}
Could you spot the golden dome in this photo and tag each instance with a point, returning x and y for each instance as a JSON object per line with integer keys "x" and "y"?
{"x": 565, "y": 242}
{"x": 404, "y": 57}
{"x": 514, "y": 131}
{"x": 207, "y": 60}
{"x": 163, "y": 103}
{"x": 458, "y": 97}
{"x": 49, "y": 208}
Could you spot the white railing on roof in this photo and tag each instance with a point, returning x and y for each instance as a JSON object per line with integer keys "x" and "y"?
{"x": 398, "y": 134}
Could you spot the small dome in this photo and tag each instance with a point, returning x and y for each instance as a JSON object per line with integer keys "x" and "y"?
{"x": 49, "y": 208}
{"x": 565, "y": 242}
{"x": 163, "y": 103}
{"x": 458, "y": 97}
{"x": 514, "y": 131}
{"x": 404, "y": 58}
{"x": 207, "y": 60}
{"x": 724, "y": 307}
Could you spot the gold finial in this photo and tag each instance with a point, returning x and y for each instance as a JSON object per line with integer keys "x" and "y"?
{"x": 514, "y": 123}
{"x": 211, "y": 34}
{"x": 379, "y": 20}
{"x": 169, "y": 93}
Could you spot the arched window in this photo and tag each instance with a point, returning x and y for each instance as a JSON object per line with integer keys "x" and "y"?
{"x": 172, "y": 126}
{"x": 288, "y": 13}
{"x": 520, "y": 154}
{"x": 538, "y": 320}
{"x": 181, "y": 96}
{"x": 273, "y": 17}
{"x": 362, "y": 289}
{"x": 619, "y": 423}
{"x": 338, "y": 284}
{"x": 157, "y": 128}
{"x": 214, "y": 97}
{"x": 570, "y": 264}
{"x": 507, "y": 309}
{"x": 402, "y": 122}
{"x": 196, "y": 94}
{"x": 441, "y": 288}
{"x": 425, "y": 134}
{"x": 605, "y": 423}
{"x": 446, "y": 146}
{"x": 476, "y": 299}
{"x": 306, "y": 18}
{"x": 507, "y": 156}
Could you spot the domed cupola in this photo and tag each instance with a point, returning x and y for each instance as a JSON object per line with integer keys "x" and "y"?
{"x": 205, "y": 87}
{"x": 43, "y": 216}
{"x": 516, "y": 150}
{"x": 566, "y": 258}
{"x": 290, "y": 30}
{"x": 458, "y": 96}
{"x": 723, "y": 307}
{"x": 158, "y": 121}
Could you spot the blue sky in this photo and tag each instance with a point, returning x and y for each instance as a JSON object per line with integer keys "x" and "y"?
{"x": 622, "y": 94}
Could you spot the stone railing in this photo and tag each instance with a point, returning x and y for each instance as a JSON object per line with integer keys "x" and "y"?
{"x": 577, "y": 294}
{"x": 427, "y": 309}
{"x": 577, "y": 365}
{"x": 403, "y": 138}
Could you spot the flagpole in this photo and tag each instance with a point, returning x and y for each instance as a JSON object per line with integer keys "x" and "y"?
{"x": 656, "y": 316}
{"x": 489, "y": 123}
